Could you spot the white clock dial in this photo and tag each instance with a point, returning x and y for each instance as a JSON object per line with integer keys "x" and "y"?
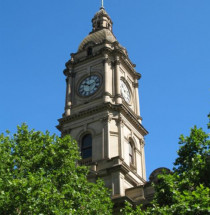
{"x": 89, "y": 85}
{"x": 125, "y": 92}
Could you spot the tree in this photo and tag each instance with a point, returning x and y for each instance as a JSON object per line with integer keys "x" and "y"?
{"x": 39, "y": 174}
{"x": 185, "y": 191}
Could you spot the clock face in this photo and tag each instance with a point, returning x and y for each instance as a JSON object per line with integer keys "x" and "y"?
{"x": 125, "y": 92}
{"x": 89, "y": 85}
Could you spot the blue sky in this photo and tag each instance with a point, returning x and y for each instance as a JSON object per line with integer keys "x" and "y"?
{"x": 168, "y": 40}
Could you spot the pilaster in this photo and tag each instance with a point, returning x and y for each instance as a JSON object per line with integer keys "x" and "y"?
{"x": 121, "y": 143}
{"x": 143, "y": 160}
{"x": 68, "y": 103}
{"x": 117, "y": 80}
{"x": 106, "y": 62}
{"x": 105, "y": 142}
{"x": 118, "y": 184}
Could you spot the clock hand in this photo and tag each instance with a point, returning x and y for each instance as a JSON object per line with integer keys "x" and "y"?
{"x": 91, "y": 82}
{"x": 88, "y": 84}
{"x": 91, "y": 86}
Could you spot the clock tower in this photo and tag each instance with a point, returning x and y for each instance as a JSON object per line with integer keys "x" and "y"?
{"x": 102, "y": 109}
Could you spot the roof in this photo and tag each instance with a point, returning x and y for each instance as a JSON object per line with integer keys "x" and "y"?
{"x": 97, "y": 38}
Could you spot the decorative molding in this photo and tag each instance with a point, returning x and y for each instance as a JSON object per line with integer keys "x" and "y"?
{"x": 132, "y": 135}
{"x": 114, "y": 133}
{"x": 68, "y": 107}
{"x": 117, "y": 62}
{"x": 120, "y": 121}
{"x": 135, "y": 173}
{"x": 142, "y": 143}
{"x": 122, "y": 176}
{"x": 118, "y": 95}
{"x": 138, "y": 75}
{"x": 108, "y": 94}
{"x": 136, "y": 85}
{"x": 86, "y": 162}
{"x": 106, "y": 119}
{"x": 116, "y": 51}
{"x": 137, "y": 150}
{"x": 69, "y": 73}
{"x": 106, "y": 106}
{"x": 108, "y": 61}
{"x": 89, "y": 44}
{"x": 121, "y": 168}
{"x": 66, "y": 132}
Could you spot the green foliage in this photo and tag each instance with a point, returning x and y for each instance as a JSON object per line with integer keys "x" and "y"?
{"x": 185, "y": 191}
{"x": 39, "y": 174}
{"x": 193, "y": 161}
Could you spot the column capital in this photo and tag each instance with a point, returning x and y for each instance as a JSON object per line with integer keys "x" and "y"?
{"x": 138, "y": 76}
{"x": 106, "y": 55}
{"x": 117, "y": 57}
{"x": 120, "y": 122}
{"x": 106, "y": 60}
{"x": 68, "y": 72}
{"x": 106, "y": 119}
{"x": 68, "y": 106}
{"x": 142, "y": 143}
{"x": 136, "y": 85}
{"x": 118, "y": 96}
{"x": 117, "y": 62}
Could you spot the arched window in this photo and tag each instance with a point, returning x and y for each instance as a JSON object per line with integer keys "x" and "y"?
{"x": 89, "y": 51}
{"x": 98, "y": 24}
{"x": 131, "y": 153}
{"x": 86, "y": 147}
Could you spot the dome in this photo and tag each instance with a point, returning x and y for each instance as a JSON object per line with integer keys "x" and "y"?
{"x": 102, "y": 30}
{"x": 97, "y": 38}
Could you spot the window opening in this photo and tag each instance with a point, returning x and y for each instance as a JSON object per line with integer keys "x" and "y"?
{"x": 89, "y": 51}
{"x": 86, "y": 149}
{"x": 131, "y": 160}
{"x": 98, "y": 24}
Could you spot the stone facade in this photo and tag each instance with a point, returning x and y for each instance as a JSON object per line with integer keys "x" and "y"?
{"x": 102, "y": 101}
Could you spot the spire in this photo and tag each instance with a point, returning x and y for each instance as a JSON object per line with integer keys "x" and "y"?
{"x": 101, "y": 20}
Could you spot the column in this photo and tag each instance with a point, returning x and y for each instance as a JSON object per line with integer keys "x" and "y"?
{"x": 143, "y": 160}
{"x": 106, "y": 78}
{"x": 121, "y": 137}
{"x": 117, "y": 80}
{"x": 118, "y": 184}
{"x": 136, "y": 85}
{"x": 68, "y": 94}
{"x": 105, "y": 141}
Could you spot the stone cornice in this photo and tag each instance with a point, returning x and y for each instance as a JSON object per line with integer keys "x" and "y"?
{"x": 68, "y": 73}
{"x": 125, "y": 169}
{"x": 115, "y": 50}
{"x": 133, "y": 118}
{"x": 129, "y": 113}
{"x": 83, "y": 60}
{"x": 134, "y": 172}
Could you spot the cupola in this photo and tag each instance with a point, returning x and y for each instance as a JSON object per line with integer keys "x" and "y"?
{"x": 101, "y": 31}
{"x": 101, "y": 20}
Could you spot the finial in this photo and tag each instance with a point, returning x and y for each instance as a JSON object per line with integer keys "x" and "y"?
{"x": 102, "y": 4}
